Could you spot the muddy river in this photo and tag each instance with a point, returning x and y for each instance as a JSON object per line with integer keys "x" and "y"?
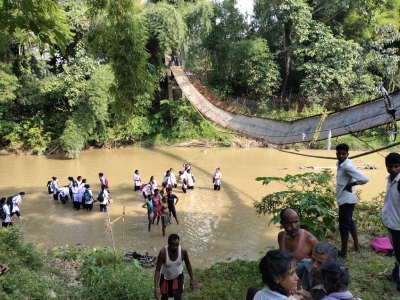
{"x": 214, "y": 225}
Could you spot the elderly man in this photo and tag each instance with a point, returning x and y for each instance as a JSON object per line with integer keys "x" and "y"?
{"x": 309, "y": 271}
{"x": 294, "y": 239}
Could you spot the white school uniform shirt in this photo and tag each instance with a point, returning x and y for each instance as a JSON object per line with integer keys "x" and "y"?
{"x": 6, "y": 209}
{"x": 181, "y": 177}
{"x": 154, "y": 186}
{"x": 189, "y": 177}
{"x": 81, "y": 185}
{"x": 17, "y": 200}
{"x": 146, "y": 189}
{"x": 54, "y": 186}
{"x": 91, "y": 197}
{"x": 106, "y": 196}
{"x": 136, "y": 178}
{"x": 391, "y": 204}
{"x": 74, "y": 189}
{"x": 217, "y": 181}
{"x": 64, "y": 191}
{"x": 173, "y": 178}
{"x": 347, "y": 173}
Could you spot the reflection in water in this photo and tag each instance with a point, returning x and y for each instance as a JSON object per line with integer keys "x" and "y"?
{"x": 215, "y": 225}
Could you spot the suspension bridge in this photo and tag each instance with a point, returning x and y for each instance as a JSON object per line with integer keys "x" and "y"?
{"x": 350, "y": 120}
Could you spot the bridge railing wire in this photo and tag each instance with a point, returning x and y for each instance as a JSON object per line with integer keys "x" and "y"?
{"x": 291, "y": 105}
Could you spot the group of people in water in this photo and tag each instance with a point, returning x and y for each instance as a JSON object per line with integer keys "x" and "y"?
{"x": 80, "y": 193}
{"x": 160, "y": 203}
{"x": 10, "y": 207}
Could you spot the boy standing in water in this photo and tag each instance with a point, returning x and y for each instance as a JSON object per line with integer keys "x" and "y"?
{"x": 150, "y": 213}
{"x": 346, "y": 178}
{"x": 164, "y": 212}
{"x": 391, "y": 215}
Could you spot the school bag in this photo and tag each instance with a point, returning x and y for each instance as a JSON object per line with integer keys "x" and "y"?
{"x": 10, "y": 203}
{"x": 142, "y": 186}
{"x": 49, "y": 189}
{"x": 100, "y": 197}
{"x": 106, "y": 181}
{"x": 3, "y": 215}
{"x": 87, "y": 196}
{"x": 382, "y": 245}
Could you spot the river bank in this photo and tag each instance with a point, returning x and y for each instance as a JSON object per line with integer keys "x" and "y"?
{"x": 85, "y": 273}
{"x": 356, "y": 143}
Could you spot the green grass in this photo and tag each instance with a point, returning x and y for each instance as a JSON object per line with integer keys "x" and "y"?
{"x": 35, "y": 274}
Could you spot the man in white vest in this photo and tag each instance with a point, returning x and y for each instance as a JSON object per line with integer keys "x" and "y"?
{"x": 169, "y": 265}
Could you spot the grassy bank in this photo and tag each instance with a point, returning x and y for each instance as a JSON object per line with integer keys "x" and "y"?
{"x": 71, "y": 273}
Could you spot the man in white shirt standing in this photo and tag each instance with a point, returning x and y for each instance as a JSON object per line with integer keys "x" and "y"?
{"x": 391, "y": 216}
{"x": 346, "y": 178}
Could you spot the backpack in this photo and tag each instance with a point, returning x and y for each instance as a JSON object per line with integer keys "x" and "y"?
{"x": 142, "y": 186}
{"x": 3, "y": 215}
{"x": 100, "y": 197}
{"x": 382, "y": 245}
{"x": 87, "y": 196}
{"x": 49, "y": 189}
{"x": 106, "y": 181}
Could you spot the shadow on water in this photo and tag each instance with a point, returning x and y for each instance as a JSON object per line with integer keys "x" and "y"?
{"x": 232, "y": 190}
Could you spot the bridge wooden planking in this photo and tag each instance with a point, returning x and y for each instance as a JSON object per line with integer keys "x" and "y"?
{"x": 360, "y": 117}
{"x": 368, "y": 115}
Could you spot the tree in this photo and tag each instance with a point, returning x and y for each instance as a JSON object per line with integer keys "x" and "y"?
{"x": 312, "y": 195}
{"x": 121, "y": 34}
{"x": 43, "y": 19}
{"x": 166, "y": 30}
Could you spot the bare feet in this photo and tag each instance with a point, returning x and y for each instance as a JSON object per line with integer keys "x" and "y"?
{"x": 341, "y": 253}
{"x": 357, "y": 247}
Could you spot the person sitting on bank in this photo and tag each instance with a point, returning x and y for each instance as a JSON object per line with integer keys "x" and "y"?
{"x": 294, "y": 239}
{"x": 309, "y": 271}
{"x": 336, "y": 280}
{"x": 278, "y": 271}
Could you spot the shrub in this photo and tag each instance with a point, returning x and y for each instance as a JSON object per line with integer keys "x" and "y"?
{"x": 312, "y": 195}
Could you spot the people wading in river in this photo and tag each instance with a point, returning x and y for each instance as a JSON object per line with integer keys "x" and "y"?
{"x": 171, "y": 204}
{"x": 217, "y": 179}
{"x": 156, "y": 198}
{"x": 150, "y": 210}
{"x": 164, "y": 212}
{"x": 190, "y": 179}
{"x": 5, "y": 207}
{"x": 137, "y": 180}
{"x": 17, "y": 200}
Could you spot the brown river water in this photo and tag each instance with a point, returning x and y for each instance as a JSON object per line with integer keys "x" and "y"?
{"x": 214, "y": 225}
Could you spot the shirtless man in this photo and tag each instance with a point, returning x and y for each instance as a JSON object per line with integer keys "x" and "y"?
{"x": 170, "y": 266}
{"x": 164, "y": 212}
{"x": 294, "y": 239}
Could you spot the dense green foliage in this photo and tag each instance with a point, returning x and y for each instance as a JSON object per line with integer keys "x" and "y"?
{"x": 312, "y": 195}
{"x": 79, "y": 73}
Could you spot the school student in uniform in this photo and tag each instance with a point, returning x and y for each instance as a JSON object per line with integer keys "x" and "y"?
{"x": 54, "y": 187}
{"x": 17, "y": 200}
{"x": 88, "y": 203}
{"x": 106, "y": 198}
{"x": 217, "y": 179}
{"x": 190, "y": 179}
{"x": 6, "y": 209}
{"x": 137, "y": 180}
